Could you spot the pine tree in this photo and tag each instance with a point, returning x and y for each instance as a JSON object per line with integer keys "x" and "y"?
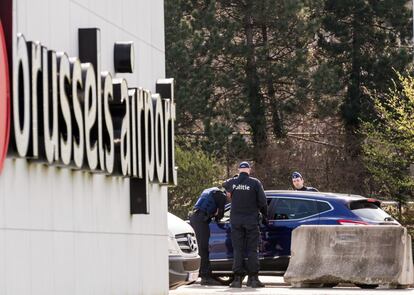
{"x": 361, "y": 43}
{"x": 253, "y": 57}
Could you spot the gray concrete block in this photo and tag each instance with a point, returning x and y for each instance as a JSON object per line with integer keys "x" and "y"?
{"x": 362, "y": 255}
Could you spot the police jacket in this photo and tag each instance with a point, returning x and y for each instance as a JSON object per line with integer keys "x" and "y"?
{"x": 247, "y": 199}
{"x": 308, "y": 189}
{"x": 212, "y": 201}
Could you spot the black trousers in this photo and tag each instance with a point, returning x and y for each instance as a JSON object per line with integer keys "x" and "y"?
{"x": 245, "y": 240}
{"x": 200, "y": 223}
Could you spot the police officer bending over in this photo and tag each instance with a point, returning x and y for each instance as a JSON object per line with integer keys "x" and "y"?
{"x": 210, "y": 204}
{"x": 247, "y": 200}
{"x": 297, "y": 182}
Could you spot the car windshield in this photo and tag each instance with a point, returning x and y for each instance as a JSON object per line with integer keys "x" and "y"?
{"x": 369, "y": 210}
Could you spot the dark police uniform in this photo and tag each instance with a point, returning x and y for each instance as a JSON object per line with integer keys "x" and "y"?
{"x": 210, "y": 204}
{"x": 247, "y": 200}
{"x": 308, "y": 189}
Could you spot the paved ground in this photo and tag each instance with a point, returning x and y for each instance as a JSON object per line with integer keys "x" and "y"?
{"x": 275, "y": 285}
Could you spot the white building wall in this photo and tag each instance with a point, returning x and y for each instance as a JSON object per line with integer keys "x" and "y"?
{"x": 70, "y": 232}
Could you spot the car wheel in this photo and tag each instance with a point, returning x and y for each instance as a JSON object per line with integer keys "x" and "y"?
{"x": 367, "y": 286}
{"x": 224, "y": 279}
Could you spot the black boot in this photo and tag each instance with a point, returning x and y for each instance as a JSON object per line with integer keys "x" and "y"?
{"x": 254, "y": 282}
{"x": 237, "y": 282}
{"x": 209, "y": 281}
{"x": 249, "y": 281}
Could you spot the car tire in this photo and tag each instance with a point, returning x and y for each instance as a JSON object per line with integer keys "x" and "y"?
{"x": 367, "y": 286}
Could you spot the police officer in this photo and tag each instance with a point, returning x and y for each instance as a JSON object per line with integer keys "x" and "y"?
{"x": 247, "y": 200}
{"x": 297, "y": 182}
{"x": 210, "y": 204}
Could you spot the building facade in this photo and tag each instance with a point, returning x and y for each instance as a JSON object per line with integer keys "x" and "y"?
{"x": 83, "y": 188}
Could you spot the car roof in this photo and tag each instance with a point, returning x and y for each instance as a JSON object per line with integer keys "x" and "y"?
{"x": 325, "y": 196}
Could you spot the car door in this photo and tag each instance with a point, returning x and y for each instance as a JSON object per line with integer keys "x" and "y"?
{"x": 220, "y": 245}
{"x": 220, "y": 238}
{"x": 285, "y": 215}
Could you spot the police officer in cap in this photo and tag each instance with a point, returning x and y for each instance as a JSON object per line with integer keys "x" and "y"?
{"x": 209, "y": 205}
{"x": 297, "y": 182}
{"x": 247, "y": 200}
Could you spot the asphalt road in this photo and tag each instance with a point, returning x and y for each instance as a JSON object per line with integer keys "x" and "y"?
{"x": 275, "y": 285}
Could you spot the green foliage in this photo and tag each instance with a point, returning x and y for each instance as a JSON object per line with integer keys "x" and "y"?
{"x": 389, "y": 148}
{"x": 196, "y": 172}
{"x": 250, "y": 73}
{"x": 362, "y": 42}
{"x": 239, "y": 65}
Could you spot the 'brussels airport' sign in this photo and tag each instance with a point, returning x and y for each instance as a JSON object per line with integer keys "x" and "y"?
{"x": 64, "y": 111}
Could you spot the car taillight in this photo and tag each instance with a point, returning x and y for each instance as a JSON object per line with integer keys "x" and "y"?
{"x": 351, "y": 222}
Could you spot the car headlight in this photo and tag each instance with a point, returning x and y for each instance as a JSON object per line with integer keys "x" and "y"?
{"x": 173, "y": 248}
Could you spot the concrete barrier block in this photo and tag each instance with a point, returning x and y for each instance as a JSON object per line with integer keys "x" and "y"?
{"x": 362, "y": 255}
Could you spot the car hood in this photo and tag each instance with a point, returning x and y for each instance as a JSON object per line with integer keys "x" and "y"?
{"x": 177, "y": 226}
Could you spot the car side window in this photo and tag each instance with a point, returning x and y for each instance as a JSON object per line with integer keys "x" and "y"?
{"x": 294, "y": 209}
{"x": 323, "y": 206}
{"x": 282, "y": 209}
{"x": 271, "y": 202}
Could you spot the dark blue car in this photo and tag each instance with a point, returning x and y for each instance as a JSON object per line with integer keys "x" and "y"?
{"x": 288, "y": 210}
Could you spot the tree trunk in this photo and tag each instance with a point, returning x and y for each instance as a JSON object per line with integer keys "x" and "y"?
{"x": 256, "y": 116}
{"x": 277, "y": 120}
